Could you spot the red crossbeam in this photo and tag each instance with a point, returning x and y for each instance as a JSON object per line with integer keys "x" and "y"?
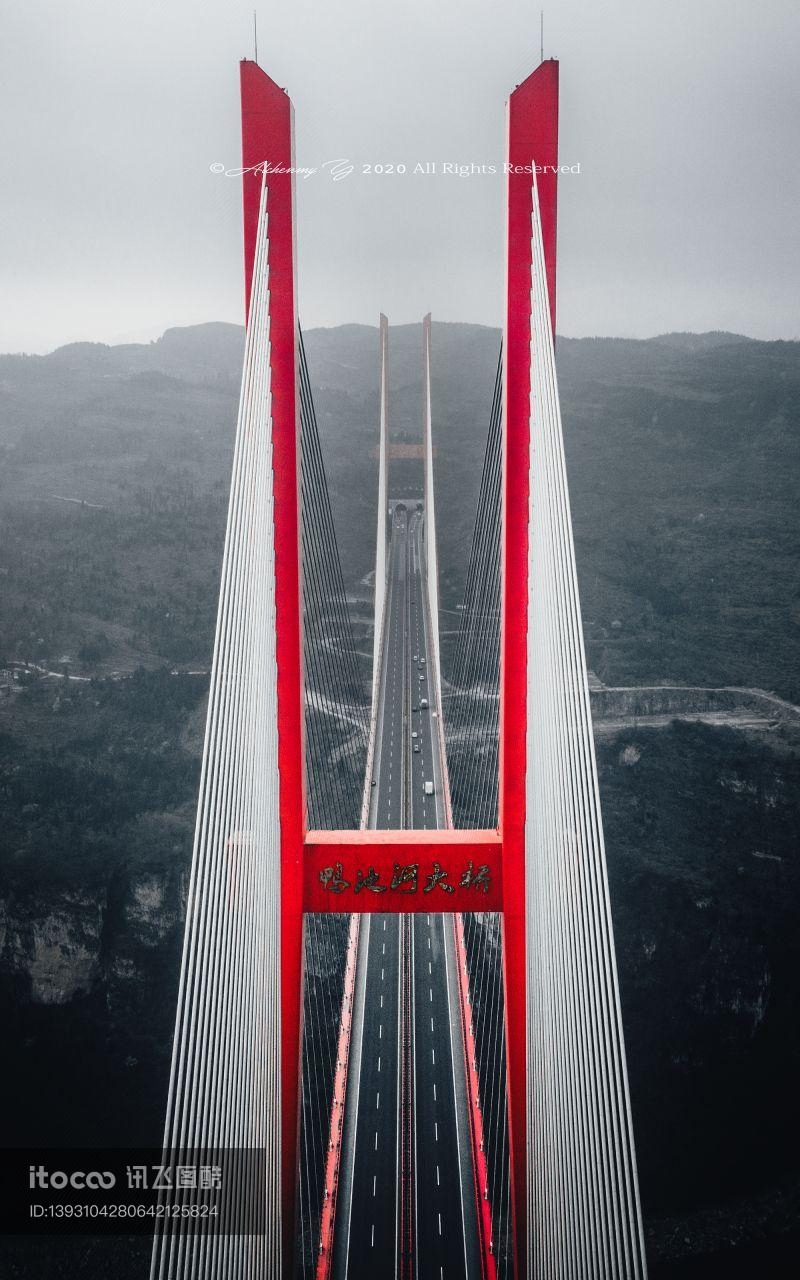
{"x": 402, "y": 871}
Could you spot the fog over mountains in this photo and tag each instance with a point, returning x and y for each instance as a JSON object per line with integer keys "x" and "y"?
{"x": 683, "y": 457}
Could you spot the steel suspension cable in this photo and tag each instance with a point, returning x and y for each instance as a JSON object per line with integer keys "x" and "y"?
{"x": 337, "y": 719}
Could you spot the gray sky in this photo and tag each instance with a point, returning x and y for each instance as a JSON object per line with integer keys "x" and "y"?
{"x": 683, "y": 116}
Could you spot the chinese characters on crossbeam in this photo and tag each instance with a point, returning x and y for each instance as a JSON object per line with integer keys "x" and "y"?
{"x": 406, "y": 879}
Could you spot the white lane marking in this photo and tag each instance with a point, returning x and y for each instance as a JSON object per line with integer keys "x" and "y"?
{"x": 430, "y": 967}
{"x": 379, "y": 1062}
{"x": 372, "y": 1245}
{"x": 383, "y": 946}
{"x": 374, "y": 1183}
{"x": 437, "y": 1175}
{"x": 382, "y": 1001}
{"x": 433, "y": 1056}
{"x": 430, "y": 993}
{"x": 431, "y": 1026}
{"x": 436, "y": 1129}
{"x": 434, "y": 1090}
{"x": 378, "y": 1101}
{"x": 376, "y": 1139}
{"x": 384, "y": 926}
{"x": 440, "y": 1224}
{"x": 382, "y": 975}
{"x": 380, "y": 1030}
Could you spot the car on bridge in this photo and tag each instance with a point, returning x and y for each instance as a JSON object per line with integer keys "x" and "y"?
{"x": 423, "y": 702}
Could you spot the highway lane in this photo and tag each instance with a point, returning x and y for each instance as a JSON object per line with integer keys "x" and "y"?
{"x": 366, "y": 1237}
{"x": 367, "y": 1246}
{"x": 445, "y": 1211}
{"x": 436, "y": 1108}
{"x": 387, "y": 807}
{"x": 446, "y": 1221}
{"x": 425, "y": 811}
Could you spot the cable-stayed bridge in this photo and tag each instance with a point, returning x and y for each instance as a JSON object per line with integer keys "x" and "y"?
{"x": 398, "y": 1025}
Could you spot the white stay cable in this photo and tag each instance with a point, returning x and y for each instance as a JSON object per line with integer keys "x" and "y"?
{"x": 224, "y": 1092}
{"x": 584, "y": 1214}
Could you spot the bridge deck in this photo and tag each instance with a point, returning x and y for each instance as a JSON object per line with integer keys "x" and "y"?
{"x": 407, "y": 1162}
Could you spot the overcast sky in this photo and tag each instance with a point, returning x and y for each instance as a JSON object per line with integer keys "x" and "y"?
{"x": 682, "y": 114}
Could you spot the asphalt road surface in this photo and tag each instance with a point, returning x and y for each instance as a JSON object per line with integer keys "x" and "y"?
{"x": 406, "y": 992}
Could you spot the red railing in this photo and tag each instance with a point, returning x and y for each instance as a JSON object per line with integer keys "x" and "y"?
{"x": 483, "y": 1205}
{"x": 333, "y": 1159}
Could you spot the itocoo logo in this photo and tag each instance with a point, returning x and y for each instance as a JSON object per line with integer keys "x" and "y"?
{"x": 40, "y": 1177}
